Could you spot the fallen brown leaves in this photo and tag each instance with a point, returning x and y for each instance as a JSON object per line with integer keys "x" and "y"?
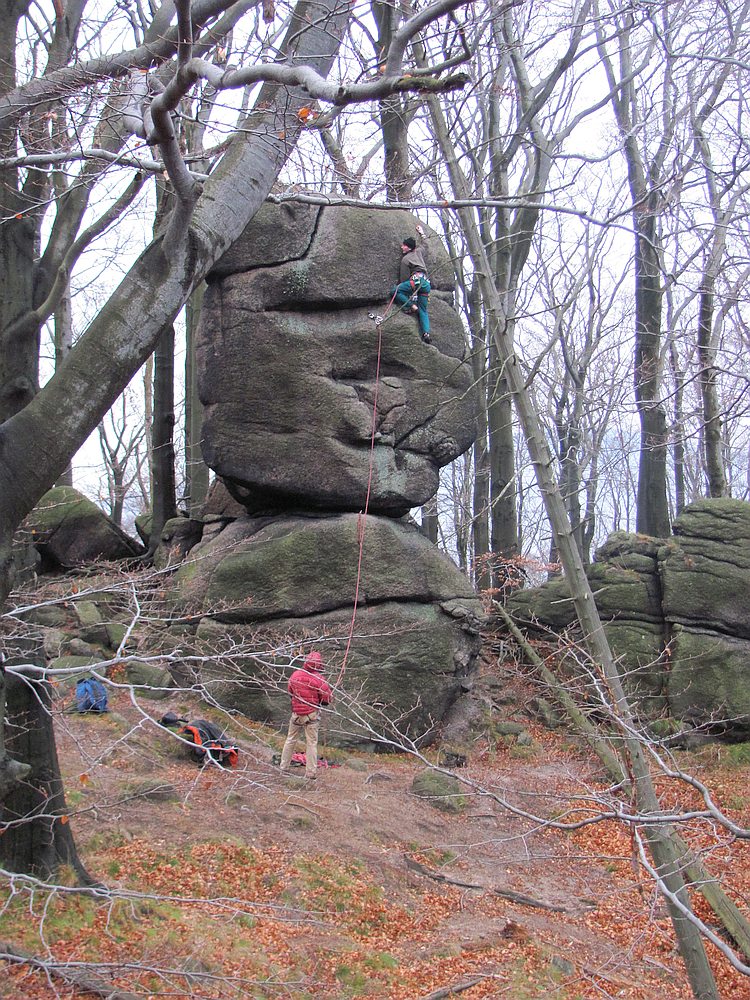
{"x": 234, "y": 911}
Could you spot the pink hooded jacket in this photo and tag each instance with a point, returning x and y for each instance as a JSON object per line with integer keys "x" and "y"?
{"x": 307, "y": 688}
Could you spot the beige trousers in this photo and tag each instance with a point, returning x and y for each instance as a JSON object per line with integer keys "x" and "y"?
{"x": 300, "y": 726}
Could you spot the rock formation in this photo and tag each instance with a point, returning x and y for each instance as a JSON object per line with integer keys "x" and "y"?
{"x": 312, "y": 410}
{"x": 68, "y": 529}
{"x": 677, "y": 613}
{"x": 288, "y": 359}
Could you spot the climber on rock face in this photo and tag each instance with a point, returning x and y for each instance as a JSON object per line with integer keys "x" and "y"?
{"x": 413, "y": 289}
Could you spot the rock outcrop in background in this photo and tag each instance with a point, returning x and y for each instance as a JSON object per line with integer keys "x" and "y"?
{"x": 677, "y": 613}
{"x": 289, "y": 373}
{"x": 67, "y": 530}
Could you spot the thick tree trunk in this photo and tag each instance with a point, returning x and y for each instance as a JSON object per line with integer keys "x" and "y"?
{"x": 63, "y": 344}
{"x": 163, "y": 495}
{"x": 430, "y": 525}
{"x": 393, "y": 120}
{"x": 37, "y": 838}
{"x": 678, "y": 432}
{"x": 712, "y": 443}
{"x": 19, "y": 358}
{"x": 480, "y": 523}
{"x": 196, "y": 470}
{"x": 652, "y": 512}
{"x": 503, "y": 507}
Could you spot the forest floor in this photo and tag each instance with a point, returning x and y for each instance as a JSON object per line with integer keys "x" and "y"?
{"x": 243, "y": 883}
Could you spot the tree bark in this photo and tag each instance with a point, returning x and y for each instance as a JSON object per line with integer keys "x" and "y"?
{"x": 645, "y": 182}
{"x": 503, "y": 508}
{"x": 393, "y": 121}
{"x": 37, "y": 838}
{"x": 430, "y": 526}
{"x": 163, "y": 491}
{"x": 712, "y": 439}
{"x": 652, "y": 511}
{"x": 678, "y": 432}
{"x": 196, "y": 470}
{"x": 480, "y": 506}
{"x": 63, "y": 344}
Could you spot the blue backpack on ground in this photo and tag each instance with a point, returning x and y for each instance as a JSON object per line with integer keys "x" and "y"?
{"x": 91, "y": 695}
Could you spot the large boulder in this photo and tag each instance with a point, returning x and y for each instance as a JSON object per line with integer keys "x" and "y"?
{"x": 68, "y": 530}
{"x": 291, "y": 367}
{"x": 416, "y": 639}
{"x": 705, "y": 573}
{"x": 626, "y": 584}
{"x": 676, "y": 612}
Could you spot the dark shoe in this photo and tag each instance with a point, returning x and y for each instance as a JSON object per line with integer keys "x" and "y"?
{"x": 426, "y": 338}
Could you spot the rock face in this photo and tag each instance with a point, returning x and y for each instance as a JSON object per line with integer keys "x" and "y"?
{"x": 676, "y": 612}
{"x": 417, "y": 622}
{"x": 312, "y": 410}
{"x": 288, "y": 360}
{"x": 68, "y": 529}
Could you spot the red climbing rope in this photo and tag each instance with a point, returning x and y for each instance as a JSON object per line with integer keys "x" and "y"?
{"x": 363, "y": 513}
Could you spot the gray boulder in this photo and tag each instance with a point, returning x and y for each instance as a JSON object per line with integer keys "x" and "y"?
{"x": 705, "y": 568}
{"x": 705, "y": 573}
{"x": 287, "y": 368}
{"x": 68, "y": 529}
{"x": 417, "y": 625}
{"x": 677, "y": 615}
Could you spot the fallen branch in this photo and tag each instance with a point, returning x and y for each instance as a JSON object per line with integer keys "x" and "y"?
{"x": 449, "y": 991}
{"x": 87, "y": 982}
{"x": 598, "y": 743}
{"x": 515, "y": 897}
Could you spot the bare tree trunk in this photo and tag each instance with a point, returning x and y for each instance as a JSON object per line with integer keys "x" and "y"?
{"x": 503, "y": 508}
{"x": 163, "y": 495}
{"x": 480, "y": 522}
{"x": 678, "y": 430}
{"x": 196, "y": 470}
{"x": 712, "y": 440}
{"x": 646, "y": 183}
{"x": 19, "y": 360}
{"x": 652, "y": 512}
{"x": 37, "y": 837}
{"x": 63, "y": 344}
{"x": 393, "y": 120}
{"x": 430, "y": 525}
{"x": 12, "y": 771}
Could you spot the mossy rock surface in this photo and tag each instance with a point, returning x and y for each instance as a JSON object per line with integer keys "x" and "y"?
{"x": 68, "y": 529}
{"x": 149, "y": 679}
{"x": 443, "y": 791}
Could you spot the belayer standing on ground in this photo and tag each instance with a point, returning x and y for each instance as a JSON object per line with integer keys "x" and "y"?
{"x": 308, "y": 691}
{"x": 413, "y": 289}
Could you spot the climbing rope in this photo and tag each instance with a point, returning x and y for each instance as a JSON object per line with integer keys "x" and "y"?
{"x": 362, "y": 516}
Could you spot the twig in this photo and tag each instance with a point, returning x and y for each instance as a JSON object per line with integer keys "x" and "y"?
{"x": 515, "y": 897}
{"x": 85, "y": 981}
{"x": 449, "y": 991}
